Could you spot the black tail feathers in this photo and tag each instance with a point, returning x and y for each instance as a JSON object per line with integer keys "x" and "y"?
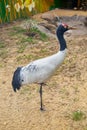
{"x": 16, "y": 82}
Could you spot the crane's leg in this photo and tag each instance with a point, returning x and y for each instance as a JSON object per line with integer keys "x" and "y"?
{"x": 41, "y": 103}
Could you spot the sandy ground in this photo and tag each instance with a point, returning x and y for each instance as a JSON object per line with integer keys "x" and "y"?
{"x": 65, "y": 92}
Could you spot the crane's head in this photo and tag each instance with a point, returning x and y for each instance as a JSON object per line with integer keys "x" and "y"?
{"x": 16, "y": 82}
{"x": 63, "y": 28}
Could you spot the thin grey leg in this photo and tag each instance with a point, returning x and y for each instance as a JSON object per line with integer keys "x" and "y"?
{"x": 41, "y": 102}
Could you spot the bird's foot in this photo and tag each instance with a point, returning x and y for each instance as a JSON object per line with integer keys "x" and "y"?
{"x": 42, "y": 109}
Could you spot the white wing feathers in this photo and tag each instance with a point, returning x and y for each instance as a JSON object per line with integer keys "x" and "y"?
{"x": 40, "y": 70}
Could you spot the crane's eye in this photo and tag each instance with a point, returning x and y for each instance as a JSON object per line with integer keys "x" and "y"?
{"x": 65, "y": 26}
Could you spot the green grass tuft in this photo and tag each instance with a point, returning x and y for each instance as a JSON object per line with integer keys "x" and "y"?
{"x": 2, "y": 45}
{"x": 16, "y": 31}
{"x": 3, "y": 53}
{"x": 78, "y": 115}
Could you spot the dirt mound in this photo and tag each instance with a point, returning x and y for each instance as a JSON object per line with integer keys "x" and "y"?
{"x": 49, "y": 24}
{"x": 71, "y": 17}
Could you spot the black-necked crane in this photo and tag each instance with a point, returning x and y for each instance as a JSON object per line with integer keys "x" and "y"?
{"x": 39, "y": 71}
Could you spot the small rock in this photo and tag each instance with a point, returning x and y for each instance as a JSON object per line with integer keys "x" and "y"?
{"x": 85, "y": 22}
{"x": 47, "y": 16}
{"x": 5, "y": 123}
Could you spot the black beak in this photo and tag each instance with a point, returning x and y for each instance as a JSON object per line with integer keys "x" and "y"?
{"x": 72, "y": 28}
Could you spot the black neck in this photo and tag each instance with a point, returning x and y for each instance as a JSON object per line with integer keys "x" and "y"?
{"x": 62, "y": 41}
